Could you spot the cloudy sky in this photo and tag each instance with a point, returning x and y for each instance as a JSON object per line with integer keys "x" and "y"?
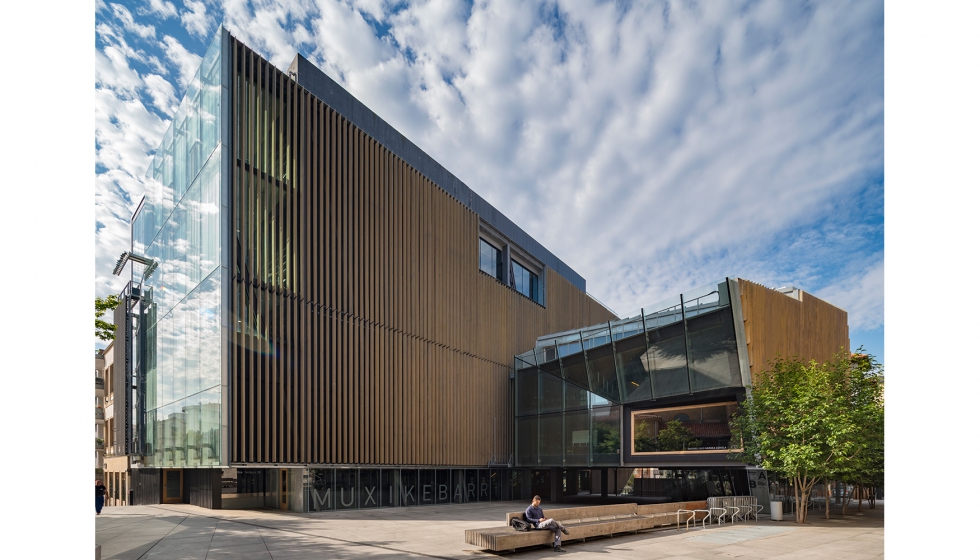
{"x": 653, "y": 146}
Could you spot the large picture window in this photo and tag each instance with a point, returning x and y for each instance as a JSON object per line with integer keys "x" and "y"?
{"x": 490, "y": 260}
{"x": 525, "y": 281}
{"x": 698, "y": 429}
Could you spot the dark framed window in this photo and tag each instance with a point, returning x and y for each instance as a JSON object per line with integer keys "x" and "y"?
{"x": 525, "y": 281}
{"x": 491, "y": 260}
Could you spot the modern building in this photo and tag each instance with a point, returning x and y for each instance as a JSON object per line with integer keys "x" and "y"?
{"x": 321, "y": 316}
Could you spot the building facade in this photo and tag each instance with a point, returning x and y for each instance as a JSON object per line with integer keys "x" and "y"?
{"x": 99, "y": 412}
{"x": 323, "y": 316}
{"x": 640, "y": 406}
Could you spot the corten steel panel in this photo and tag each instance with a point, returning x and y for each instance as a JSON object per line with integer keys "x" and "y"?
{"x": 777, "y": 325}
{"x": 368, "y": 334}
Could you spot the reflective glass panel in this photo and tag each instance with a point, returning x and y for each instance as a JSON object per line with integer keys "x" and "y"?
{"x": 631, "y": 359}
{"x": 444, "y": 483}
{"x": 550, "y": 440}
{"x": 410, "y": 487}
{"x": 668, "y": 357}
{"x": 427, "y": 487}
{"x": 346, "y": 488}
{"x": 390, "y": 488}
{"x": 602, "y": 370}
{"x": 550, "y": 393}
{"x": 321, "y": 491}
{"x": 577, "y": 437}
{"x": 714, "y": 353}
{"x": 472, "y": 485}
{"x": 527, "y": 391}
{"x": 369, "y": 488}
{"x": 605, "y": 435}
{"x": 527, "y": 441}
{"x": 573, "y": 367}
{"x": 575, "y": 397}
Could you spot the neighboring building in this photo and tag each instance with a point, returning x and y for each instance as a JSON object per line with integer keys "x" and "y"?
{"x": 323, "y": 317}
{"x": 115, "y": 460}
{"x": 99, "y": 412}
{"x": 641, "y": 406}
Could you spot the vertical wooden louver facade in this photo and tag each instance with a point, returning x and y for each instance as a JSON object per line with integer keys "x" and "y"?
{"x": 365, "y": 332}
{"x": 777, "y": 325}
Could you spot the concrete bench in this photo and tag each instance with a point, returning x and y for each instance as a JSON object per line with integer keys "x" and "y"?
{"x": 585, "y": 522}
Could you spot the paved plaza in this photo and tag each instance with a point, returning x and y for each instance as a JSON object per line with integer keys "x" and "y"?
{"x": 188, "y": 532}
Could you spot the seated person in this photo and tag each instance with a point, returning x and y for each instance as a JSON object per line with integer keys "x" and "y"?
{"x": 535, "y": 516}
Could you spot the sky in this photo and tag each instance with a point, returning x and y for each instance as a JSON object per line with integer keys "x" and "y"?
{"x": 653, "y": 146}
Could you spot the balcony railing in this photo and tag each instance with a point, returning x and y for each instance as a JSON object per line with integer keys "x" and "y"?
{"x": 100, "y": 383}
{"x": 99, "y": 413}
{"x": 99, "y": 443}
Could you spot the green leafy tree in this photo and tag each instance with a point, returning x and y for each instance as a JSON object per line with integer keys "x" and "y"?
{"x": 105, "y": 330}
{"x": 806, "y": 421}
{"x": 864, "y": 398}
{"x": 676, "y": 437}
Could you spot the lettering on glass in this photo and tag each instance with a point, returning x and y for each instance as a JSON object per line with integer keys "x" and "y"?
{"x": 458, "y": 496}
{"x": 471, "y": 490}
{"x": 344, "y": 502}
{"x": 426, "y": 490}
{"x": 370, "y": 495}
{"x": 407, "y": 493}
{"x": 443, "y": 492}
{"x": 318, "y": 504}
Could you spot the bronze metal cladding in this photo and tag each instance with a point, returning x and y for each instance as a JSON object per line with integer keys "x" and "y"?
{"x": 365, "y": 331}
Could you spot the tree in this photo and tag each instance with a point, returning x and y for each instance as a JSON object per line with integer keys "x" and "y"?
{"x": 806, "y": 421}
{"x": 676, "y": 437}
{"x": 105, "y": 330}
{"x": 863, "y": 388}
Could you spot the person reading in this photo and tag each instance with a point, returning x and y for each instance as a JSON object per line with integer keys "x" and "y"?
{"x": 535, "y": 516}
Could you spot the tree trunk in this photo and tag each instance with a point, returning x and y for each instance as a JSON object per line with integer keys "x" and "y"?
{"x": 796, "y": 499}
{"x": 847, "y": 499}
{"x": 827, "y": 504}
{"x": 872, "y": 498}
{"x": 860, "y": 496}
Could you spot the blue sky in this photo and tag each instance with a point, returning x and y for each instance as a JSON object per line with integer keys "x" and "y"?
{"x": 654, "y": 147}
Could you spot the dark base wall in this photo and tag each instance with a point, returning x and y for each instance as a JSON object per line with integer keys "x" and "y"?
{"x": 147, "y": 486}
{"x": 201, "y": 487}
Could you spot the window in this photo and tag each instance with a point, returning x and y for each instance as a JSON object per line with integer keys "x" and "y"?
{"x": 490, "y": 260}
{"x": 525, "y": 281}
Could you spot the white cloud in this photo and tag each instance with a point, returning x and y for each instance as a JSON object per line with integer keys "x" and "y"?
{"x": 196, "y": 20}
{"x": 163, "y": 8}
{"x": 123, "y": 15}
{"x": 861, "y": 295}
{"x": 652, "y": 146}
{"x": 187, "y": 62}
{"x": 162, "y": 93}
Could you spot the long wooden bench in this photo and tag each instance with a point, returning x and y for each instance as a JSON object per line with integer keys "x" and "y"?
{"x": 586, "y": 522}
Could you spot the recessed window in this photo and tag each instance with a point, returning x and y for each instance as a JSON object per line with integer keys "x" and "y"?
{"x": 490, "y": 260}
{"x": 525, "y": 281}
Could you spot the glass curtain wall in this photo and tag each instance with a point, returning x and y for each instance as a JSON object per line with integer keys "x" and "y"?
{"x": 684, "y": 346}
{"x": 178, "y": 227}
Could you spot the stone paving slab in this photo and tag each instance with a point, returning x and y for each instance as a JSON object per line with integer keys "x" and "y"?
{"x": 167, "y": 532}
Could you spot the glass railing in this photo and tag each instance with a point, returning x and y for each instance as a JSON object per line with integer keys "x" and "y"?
{"x": 99, "y": 383}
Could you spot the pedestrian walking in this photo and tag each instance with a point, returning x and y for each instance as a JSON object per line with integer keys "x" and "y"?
{"x": 99, "y": 496}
